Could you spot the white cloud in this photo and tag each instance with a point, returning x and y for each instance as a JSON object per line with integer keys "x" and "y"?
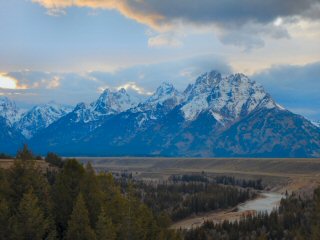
{"x": 133, "y": 86}
{"x": 54, "y": 82}
{"x": 166, "y": 40}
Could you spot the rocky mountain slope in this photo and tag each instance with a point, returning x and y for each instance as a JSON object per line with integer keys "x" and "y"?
{"x": 40, "y": 117}
{"x": 215, "y": 116}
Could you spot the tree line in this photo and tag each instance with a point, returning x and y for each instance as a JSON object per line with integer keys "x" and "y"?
{"x": 180, "y": 200}
{"x": 225, "y": 180}
{"x": 72, "y": 202}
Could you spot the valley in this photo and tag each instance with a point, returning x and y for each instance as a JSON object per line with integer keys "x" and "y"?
{"x": 190, "y": 193}
{"x": 292, "y": 174}
{"x": 280, "y": 176}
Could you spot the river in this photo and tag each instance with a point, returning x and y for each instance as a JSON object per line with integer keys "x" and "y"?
{"x": 266, "y": 202}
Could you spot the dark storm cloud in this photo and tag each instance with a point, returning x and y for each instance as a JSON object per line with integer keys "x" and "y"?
{"x": 226, "y": 12}
{"x": 225, "y": 17}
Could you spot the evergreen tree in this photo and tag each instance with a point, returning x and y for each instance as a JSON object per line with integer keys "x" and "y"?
{"x": 4, "y": 219}
{"x": 25, "y": 154}
{"x": 92, "y": 194}
{"x": 52, "y": 231}
{"x": 105, "y": 229}
{"x": 54, "y": 159}
{"x": 23, "y": 176}
{"x": 65, "y": 191}
{"x": 29, "y": 221}
{"x": 79, "y": 224}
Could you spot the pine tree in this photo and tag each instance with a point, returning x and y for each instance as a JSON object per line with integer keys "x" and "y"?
{"x": 23, "y": 176}
{"x": 65, "y": 190}
{"x": 25, "y": 154}
{"x": 29, "y": 222}
{"x": 105, "y": 229}
{"x": 52, "y": 231}
{"x": 54, "y": 160}
{"x": 92, "y": 194}
{"x": 79, "y": 224}
{"x": 4, "y": 219}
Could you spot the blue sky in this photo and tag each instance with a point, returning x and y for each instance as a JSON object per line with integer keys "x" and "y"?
{"x": 68, "y": 51}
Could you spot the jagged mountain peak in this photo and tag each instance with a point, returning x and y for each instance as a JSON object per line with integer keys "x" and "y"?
{"x": 40, "y": 117}
{"x": 217, "y": 115}
{"x": 165, "y": 89}
{"x": 51, "y": 105}
{"x": 203, "y": 83}
{"x": 80, "y": 106}
{"x": 112, "y": 102}
{"x": 165, "y": 93}
{"x": 227, "y": 98}
{"x": 9, "y": 111}
{"x": 208, "y": 78}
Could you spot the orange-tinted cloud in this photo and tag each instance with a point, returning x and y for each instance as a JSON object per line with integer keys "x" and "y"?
{"x": 137, "y": 10}
{"x": 8, "y": 82}
{"x": 161, "y": 14}
{"x": 254, "y": 20}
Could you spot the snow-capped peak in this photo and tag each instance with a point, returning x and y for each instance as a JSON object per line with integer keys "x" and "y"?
{"x": 208, "y": 78}
{"x": 204, "y": 83}
{"x": 40, "y": 117}
{"x": 164, "y": 93}
{"x": 9, "y": 110}
{"x": 165, "y": 88}
{"x": 227, "y": 98}
{"x": 111, "y": 102}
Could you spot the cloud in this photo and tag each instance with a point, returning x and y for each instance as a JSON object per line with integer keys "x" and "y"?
{"x": 252, "y": 35}
{"x": 54, "y": 82}
{"x": 159, "y": 14}
{"x": 72, "y": 88}
{"x": 130, "y": 9}
{"x": 133, "y": 86}
{"x": 240, "y": 23}
{"x": 9, "y": 82}
{"x": 35, "y": 80}
{"x": 161, "y": 40}
{"x": 294, "y": 87}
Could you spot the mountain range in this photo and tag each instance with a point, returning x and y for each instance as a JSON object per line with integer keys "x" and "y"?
{"x": 216, "y": 116}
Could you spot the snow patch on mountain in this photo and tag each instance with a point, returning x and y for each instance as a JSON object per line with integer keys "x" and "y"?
{"x": 108, "y": 103}
{"x": 40, "y": 117}
{"x": 316, "y": 123}
{"x": 9, "y": 110}
{"x": 229, "y": 96}
{"x": 165, "y": 94}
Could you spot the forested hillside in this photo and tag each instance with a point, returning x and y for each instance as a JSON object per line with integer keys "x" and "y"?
{"x": 183, "y": 199}
{"x": 62, "y": 199}
{"x": 72, "y": 203}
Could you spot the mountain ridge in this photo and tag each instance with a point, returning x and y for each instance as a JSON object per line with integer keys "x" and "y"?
{"x": 215, "y": 116}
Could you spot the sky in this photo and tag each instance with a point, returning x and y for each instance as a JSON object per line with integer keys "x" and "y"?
{"x": 69, "y": 51}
